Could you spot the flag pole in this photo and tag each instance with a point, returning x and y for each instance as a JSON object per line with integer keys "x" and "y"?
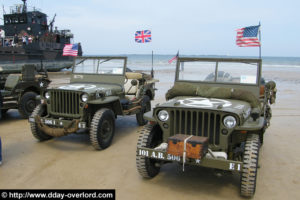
{"x": 152, "y": 72}
{"x": 259, "y": 34}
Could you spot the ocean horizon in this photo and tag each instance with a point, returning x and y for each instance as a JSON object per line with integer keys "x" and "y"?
{"x": 144, "y": 61}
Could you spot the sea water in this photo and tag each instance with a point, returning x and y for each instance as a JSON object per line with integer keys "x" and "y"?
{"x": 274, "y": 68}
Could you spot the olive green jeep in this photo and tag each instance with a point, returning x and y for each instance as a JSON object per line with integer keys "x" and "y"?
{"x": 99, "y": 90}
{"x": 215, "y": 116}
{"x": 20, "y": 90}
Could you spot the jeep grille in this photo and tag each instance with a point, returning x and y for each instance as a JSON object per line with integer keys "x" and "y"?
{"x": 64, "y": 102}
{"x": 199, "y": 123}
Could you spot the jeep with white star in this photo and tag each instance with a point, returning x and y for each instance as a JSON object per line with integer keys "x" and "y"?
{"x": 215, "y": 116}
{"x": 100, "y": 89}
{"x": 21, "y": 90}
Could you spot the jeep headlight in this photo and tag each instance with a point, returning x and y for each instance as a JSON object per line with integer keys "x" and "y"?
{"x": 84, "y": 97}
{"x": 163, "y": 115}
{"x": 47, "y": 95}
{"x": 229, "y": 121}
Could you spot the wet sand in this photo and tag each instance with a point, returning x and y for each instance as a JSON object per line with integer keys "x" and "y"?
{"x": 71, "y": 162}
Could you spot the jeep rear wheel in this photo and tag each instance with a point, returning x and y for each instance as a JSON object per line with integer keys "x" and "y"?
{"x": 36, "y": 132}
{"x": 250, "y": 163}
{"x": 149, "y": 138}
{"x": 146, "y": 106}
{"x": 27, "y": 104}
{"x": 102, "y": 128}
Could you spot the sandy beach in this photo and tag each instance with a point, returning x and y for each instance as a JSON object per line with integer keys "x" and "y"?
{"x": 70, "y": 162}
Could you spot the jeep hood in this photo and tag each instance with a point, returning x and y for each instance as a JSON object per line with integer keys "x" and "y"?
{"x": 237, "y": 107}
{"x": 89, "y": 87}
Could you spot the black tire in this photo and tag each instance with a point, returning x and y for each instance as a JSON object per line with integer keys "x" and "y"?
{"x": 27, "y": 104}
{"x": 102, "y": 128}
{"x": 36, "y": 132}
{"x": 149, "y": 138}
{"x": 146, "y": 106}
{"x": 3, "y": 112}
{"x": 250, "y": 164}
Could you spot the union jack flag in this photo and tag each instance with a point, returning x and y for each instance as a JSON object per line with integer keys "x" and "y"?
{"x": 143, "y": 36}
{"x": 247, "y": 37}
{"x": 70, "y": 50}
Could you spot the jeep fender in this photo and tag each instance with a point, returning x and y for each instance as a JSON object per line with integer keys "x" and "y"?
{"x": 114, "y": 101}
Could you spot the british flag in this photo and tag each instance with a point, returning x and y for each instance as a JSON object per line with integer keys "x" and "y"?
{"x": 143, "y": 36}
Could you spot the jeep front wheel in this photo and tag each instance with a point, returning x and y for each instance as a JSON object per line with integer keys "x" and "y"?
{"x": 102, "y": 128}
{"x": 146, "y": 106}
{"x": 250, "y": 163}
{"x": 149, "y": 138}
{"x": 36, "y": 132}
{"x": 27, "y": 104}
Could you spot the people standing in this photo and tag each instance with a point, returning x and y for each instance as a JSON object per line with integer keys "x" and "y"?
{"x": 23, "y": 40}
{"x": 2, "y": 36}
{"x": 26, "y": 39}
{"x": 16, "y": 40}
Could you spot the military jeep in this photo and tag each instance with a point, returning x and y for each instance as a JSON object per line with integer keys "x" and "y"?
{"x": 215, "y": 116}
{"x": 20, "y": 90}
{"x": 98, "y": 92}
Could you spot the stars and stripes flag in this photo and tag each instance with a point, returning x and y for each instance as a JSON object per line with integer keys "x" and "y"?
{"x": 174, "y": 58}
{"x": 143, "y": 36}
{"x": 70, "y": 50}
{"x": 247, "y": 36}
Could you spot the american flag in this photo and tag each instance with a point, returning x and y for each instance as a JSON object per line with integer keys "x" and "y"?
{"x": 70, "y": 50}
{"x": 247, "y": 37}
{"x": 174, "y": 58}
{"x": 143, "y": 36}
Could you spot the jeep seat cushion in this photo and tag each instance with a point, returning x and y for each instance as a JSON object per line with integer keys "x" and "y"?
{"x": 186, "y": 89}
{"x": 129, "y": 88}
{"x": 133, "y": 75}
{"x": 11, "y": 81}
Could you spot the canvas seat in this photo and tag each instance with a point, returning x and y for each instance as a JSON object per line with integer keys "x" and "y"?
{"x": 11, "y": 81}
{"x": 131, "y": 90}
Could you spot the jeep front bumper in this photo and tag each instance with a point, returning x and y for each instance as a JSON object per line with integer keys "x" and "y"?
{"x": 228, "y": 165}
{"x": 57, "y": 127}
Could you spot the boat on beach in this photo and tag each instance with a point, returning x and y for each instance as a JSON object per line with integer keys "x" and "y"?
{"x": 26, "y": 37}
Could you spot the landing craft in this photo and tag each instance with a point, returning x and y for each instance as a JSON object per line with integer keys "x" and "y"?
{"x": 27, "y": 38}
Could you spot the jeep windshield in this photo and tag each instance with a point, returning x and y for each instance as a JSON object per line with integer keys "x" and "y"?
{"x": 227, "y": 71}
{"x": 107, "y": 66}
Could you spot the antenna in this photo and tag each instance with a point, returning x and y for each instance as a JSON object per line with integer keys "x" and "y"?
{"x": 152, "y": 71}
{"x": 51, "y": 23}
{"x": 24, "y": 6}
{"x": 3, "y": 10}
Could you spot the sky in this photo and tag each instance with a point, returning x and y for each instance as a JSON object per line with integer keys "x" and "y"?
{"x": 194, "y": 27}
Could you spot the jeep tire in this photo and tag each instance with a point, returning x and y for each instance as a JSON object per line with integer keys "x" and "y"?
{"x": 27, "y": 104}
{"x": 36, "y": 132}
{"x": 146, "y": 166}
{"x": 250, "y": 163}
{"x": 102, "y": 128}
{"x": 146, "y": 106}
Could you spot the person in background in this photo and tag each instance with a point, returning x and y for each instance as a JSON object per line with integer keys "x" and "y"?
{"x": 16, "y": 40}
{"x": 2, "y": 36}
{"x": 26, "y": 39}
{"x": 30, "y": 39}
{"x": 23, "y": 40}
{"x": 6, "y": 43}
